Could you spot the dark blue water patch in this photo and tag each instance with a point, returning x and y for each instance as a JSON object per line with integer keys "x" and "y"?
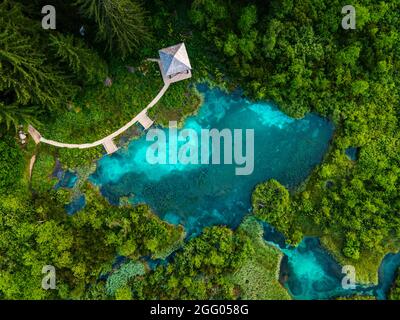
{"x": 271, "y": 235}
{"x": 67, "y": 180}
{"x": 58, "y": 171}
{"x": 116, "y": 264}
{"x": 387, "y": 274}
{"x": 77, "y": 204}
{"x": 119, "y": 261}
{"x": 352, "y": 153}
{"x": 329, "y": 184}
{"x": 154, "y": 263}
{"x": 199, "y": 195}
{"x": 309, "y": 272}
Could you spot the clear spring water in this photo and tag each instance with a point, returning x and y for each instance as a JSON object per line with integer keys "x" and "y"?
{"x": 67, "y": 179}
{"x": 201, "y": 195}
{"x": 308, "y": 271}
{"x": 77, "y": 203}
{"x": 197, "y": 196}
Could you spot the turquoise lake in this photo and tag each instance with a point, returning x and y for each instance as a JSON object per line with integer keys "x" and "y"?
{"x": 197, "y": 196}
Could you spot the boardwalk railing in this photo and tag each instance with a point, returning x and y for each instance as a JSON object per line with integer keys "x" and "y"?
{"x": 107, "y": 142}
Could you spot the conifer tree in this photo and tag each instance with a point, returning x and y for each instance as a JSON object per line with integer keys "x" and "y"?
{"x": 14, "y": 115}
{"x": 83, "y": 62}
{"x": 121, "y": 24}
{"x": 26, "y": 77}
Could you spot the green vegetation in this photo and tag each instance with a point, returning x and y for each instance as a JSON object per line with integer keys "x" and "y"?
{"x": 198, "y": 270}
{"x": 257, "y": 278}
{"x": 117, "y": 280}
{"x": 271, "y": 202}
{"x": 218, "y": 264}
{"x": 81, "y": 61}
{"x": 120, "y": 24}
{"x": 36, "y": 232}
{"x": 44, "y": 164}
{"x": 28, "y": 83}
{"x": 99, "y": 111}
{"x": 296, "y": 54}
{"x": 10, "y": 164}
{"x": 394, "y": 293}
{"x": 291, "y": 52}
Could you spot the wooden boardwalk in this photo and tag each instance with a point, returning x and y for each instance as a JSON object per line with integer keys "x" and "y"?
{"x": 110, "y": 146}
{"x": 144, "y": 120}
{"x": 107, "y": 142}
{"x": 35, "y": 134}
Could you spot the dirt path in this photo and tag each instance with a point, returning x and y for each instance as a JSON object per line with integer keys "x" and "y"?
{"x": 31, "y": 163}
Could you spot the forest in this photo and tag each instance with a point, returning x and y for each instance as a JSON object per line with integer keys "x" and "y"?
{"x": 90, "y": 70}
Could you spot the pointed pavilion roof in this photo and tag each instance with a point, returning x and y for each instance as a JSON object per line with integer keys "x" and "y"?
{"x": 174, "y": 59}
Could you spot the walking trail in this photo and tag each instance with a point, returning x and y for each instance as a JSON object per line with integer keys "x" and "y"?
{"x": 107, "y": 142}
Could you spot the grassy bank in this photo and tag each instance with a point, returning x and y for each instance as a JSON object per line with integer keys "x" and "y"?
{"x": 367, "y": 266}
{"x": 258, "y": 276}
{"x": 101, "y": 110}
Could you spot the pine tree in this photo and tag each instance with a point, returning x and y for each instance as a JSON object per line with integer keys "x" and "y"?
{"x": 83, "y": 62}
{"x": 26, "y": 77}
{"x": 14, "y": 115}
{"x": 121, "y": 24}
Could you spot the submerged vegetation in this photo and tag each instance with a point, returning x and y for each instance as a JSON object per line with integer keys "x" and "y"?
{"x": 394, "y": 293}
{"x": 257, "y": 278}
{"x": 296, "y": 54}
{"x": 293, "y": 53}
{"x": 218, "y": 264}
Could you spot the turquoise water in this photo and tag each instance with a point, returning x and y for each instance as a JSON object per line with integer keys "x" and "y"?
{"x": 387, "y": 274}
{"x": 202, "y": 195}
{"x": 309, "y": 272}
{"x": 78, "y": 203}
{"x": 312, "y": 273}
{"x": 67, "y": 179}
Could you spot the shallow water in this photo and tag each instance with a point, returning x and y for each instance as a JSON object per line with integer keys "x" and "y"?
{"x": 202, "y": 195}
{"x": 387, "y": 274}
{"x": 78, "y": 203}
{"x": 309, "y": 272}
{"x": 67, "y": 179}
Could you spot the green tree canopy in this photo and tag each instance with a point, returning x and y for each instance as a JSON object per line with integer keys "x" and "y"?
{"x": 11, "y": 164}
{"x": 84, "y": 63}
{"x": 28, "y": 82}
{"x": 120, "y": 24}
